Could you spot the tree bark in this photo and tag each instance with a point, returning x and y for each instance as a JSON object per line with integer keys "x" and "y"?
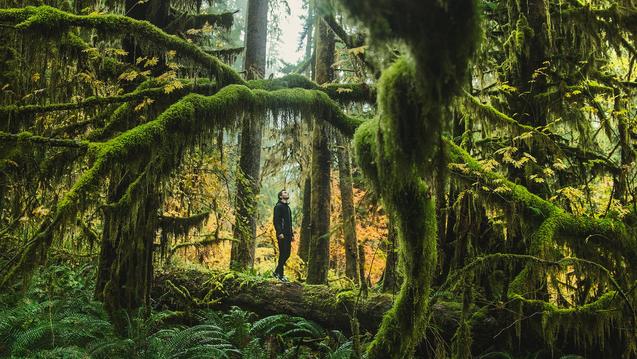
{"x": 304, "y": 241}
{"x": 348, "y": 213}
{"x": 242, "y": 255}
{"x": 318, "y": 264}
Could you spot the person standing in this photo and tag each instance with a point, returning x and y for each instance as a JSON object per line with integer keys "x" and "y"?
{"x": 284, "y": 235}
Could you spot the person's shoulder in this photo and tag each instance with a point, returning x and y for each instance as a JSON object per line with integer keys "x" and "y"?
{"x": 278, "y": 204}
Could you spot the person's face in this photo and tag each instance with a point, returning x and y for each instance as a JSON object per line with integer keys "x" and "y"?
{"x": 285, "y": 195}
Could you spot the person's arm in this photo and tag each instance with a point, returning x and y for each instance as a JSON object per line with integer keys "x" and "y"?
{"x": 278, "y": 227}
{"x": 291, "y": 226}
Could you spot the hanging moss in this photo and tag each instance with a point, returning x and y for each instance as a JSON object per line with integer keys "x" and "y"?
{"x": 343, "y": 93}
{"x": 227, "y": 55}
{"x": 180, "y": 226}
{"x": 156, "y": 92}
{"x": 182, "y": 22}
{"x": 49, "y": 21}
{"x": 576, "y": 231}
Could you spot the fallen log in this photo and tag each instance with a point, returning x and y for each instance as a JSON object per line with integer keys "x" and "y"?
{"x": 493, "y": 327}
{"x": 180, "y": 289}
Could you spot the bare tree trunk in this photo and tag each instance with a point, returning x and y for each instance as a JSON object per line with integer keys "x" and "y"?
{"x": 349, "y": 215}
{"x": 318, "y": 263}
{"x": 304, "y": 242}
{"x": 242, "y": 256}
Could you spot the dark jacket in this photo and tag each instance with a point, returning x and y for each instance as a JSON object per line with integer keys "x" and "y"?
{"x": 283, "y": 220}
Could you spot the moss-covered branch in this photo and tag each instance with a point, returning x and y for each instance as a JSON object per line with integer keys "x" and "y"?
{"x": 578, "y": 232}
{"x": 28, "y": 137}
{"x": 49, "y": 21}
{"x": 180, "y": 226}
{"x": 182, "y": 22}
{"x": 200, "y": 244}
{"x": 152, "y": 93}
{"x": 344, "y": 93}
{"x": 178, "y": 128}
{"x": 228, "y": 55}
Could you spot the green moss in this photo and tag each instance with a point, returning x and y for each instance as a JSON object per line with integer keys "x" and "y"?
{"x": 183, "y": 22}
{"x": 28, "y": 137}
{"x": 365, "y": 148}
{"x": 343, "y": 93}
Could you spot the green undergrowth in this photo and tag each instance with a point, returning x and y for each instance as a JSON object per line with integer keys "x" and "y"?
{"x": 56, "y": 317}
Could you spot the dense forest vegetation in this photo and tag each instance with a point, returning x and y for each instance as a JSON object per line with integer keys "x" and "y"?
{"x": 462, "y": 179}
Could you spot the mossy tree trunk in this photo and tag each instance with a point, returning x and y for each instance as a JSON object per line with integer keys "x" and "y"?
{"x": 319, "y": 254}
{"x": 125, "y": 267}
{"x": 348, "y": 212}
{"x": 242, "y": 256}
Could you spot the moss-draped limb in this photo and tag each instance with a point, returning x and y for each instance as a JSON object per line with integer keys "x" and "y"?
{"x": 48, "y": 20}
{"x": 344, "y": 93}
{"x": 545, "y": 137}
{"x": 154, "y": 92}
{"x": 180, "y": 226}
{"x": 578, "y": 232}
{"x": 183, "y": 22}
{"x": 199, "y": 244}
{"x": 179, "y": 128}
{"x": 601, "y": 313}
{"x": 403, "y": 327}
{"x": 227, "y": 55}
{"x": 397, "y": 150}
{"x": 28, "y": 137}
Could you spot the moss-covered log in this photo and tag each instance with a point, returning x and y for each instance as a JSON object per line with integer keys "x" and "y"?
{"x": 179, "y": 289}
{"x": 492, "y": 326}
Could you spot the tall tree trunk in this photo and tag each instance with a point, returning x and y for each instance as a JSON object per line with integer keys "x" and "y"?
{"x": 304, "y": 242}
{"x": 318, "y": 263}
{"x": 349, "y": 216}
{"x": 242, "y": 256}
{"x": 126, "y": 259}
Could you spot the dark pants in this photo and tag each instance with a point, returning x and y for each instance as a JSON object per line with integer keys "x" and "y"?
{"x": 285, "y": 246}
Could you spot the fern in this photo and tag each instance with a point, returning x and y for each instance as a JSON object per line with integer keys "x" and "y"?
{"x": 57, "y": 318}
{"x": 342, "y": 352}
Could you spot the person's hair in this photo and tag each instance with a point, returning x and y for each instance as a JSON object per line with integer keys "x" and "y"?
{"x": 281, "y": 193}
